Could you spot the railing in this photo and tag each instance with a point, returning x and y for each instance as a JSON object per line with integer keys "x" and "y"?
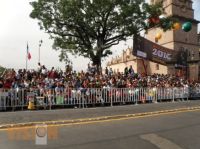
{"x": 22, "y": 99}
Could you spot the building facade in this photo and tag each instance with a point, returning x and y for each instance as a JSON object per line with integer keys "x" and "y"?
{"x": 172, "y": 39}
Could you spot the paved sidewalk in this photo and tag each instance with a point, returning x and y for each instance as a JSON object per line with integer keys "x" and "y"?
{"x": 70, "y": 114}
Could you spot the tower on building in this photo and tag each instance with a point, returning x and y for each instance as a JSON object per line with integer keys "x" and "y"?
{"x": 182, "y": 11}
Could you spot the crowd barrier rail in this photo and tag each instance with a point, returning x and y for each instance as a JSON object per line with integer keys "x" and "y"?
{"x": 23, "y": 99}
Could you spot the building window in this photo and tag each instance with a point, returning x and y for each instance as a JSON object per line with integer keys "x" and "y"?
{"x": 157, "y": 66}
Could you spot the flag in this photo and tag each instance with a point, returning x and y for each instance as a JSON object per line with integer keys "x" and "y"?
{"x": 28, "y": 53}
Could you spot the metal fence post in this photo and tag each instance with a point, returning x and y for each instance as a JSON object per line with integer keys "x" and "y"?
{"x": 13, "y": 99}
{"x": 173, "y": 95}
{"x": 188, "y": 93}
{"x": 156, "y": 95}
{"x": 23, "y": 97}
{"x": 50, "y": 106}
{"x": 136, "y": 96}
{"x": 111, "y": 102}
{"x": 83, "y": 100}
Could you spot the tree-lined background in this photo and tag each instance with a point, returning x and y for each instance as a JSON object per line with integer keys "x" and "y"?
{"x": 90, "y": 28}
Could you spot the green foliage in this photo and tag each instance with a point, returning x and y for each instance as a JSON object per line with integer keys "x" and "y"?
{"x": 2, "y": 69}
{"x": 91, "y": 27}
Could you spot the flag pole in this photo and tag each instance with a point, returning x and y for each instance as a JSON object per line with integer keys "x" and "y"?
{"x": 27, "y": 57}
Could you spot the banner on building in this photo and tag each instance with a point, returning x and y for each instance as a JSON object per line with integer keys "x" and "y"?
{"x": 151, "y": 51}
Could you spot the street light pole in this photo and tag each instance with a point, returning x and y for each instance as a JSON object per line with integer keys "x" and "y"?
{"x": 40, "y": 44}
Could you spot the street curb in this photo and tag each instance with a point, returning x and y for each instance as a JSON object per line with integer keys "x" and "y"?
{"x": 99, "y": 119}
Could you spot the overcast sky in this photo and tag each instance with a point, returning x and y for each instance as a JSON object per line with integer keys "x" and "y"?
{"x": 17, "y": 28}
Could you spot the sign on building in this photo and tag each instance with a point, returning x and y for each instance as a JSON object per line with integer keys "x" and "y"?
{"x": 151, "y": 51}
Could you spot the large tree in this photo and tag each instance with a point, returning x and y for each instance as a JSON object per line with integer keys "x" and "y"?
{"x": 91, "y": 27}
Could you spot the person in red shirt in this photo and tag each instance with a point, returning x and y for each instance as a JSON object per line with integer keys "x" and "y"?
{"x": 7, "y": 84}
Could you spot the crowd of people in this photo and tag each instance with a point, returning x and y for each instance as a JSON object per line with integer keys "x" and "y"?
{"x": 58, "y": 87}
{"x": 51, "y": 79}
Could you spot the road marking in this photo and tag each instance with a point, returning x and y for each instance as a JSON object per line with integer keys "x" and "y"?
{"x": 100, "y": 119}
{"x": 160, "y": 142}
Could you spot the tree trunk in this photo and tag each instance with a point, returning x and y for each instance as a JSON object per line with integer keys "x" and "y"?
{"x": 97, "y": 58}
{"x": 97, "y": 62}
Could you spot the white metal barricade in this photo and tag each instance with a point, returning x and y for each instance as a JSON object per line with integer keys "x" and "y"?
{"x": 3, "y": 100}
{"x": 87, "y": 97}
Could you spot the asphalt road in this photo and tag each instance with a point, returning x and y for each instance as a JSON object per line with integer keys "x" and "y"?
{"x": 172, "y": 131}
{"x": 69, "y": 114}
